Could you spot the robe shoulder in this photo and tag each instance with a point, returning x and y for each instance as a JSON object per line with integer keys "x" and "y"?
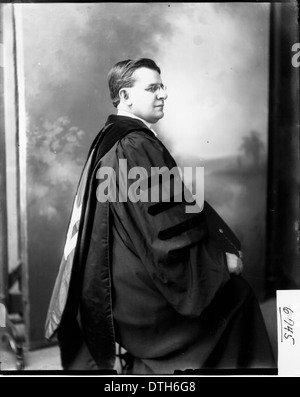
{"x": 146, "y": 150}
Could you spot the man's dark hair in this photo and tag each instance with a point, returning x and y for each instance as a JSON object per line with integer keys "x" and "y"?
{"x": 120, "y": 75}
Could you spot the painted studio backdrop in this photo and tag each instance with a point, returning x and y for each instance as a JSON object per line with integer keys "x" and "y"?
{"x": 214, "y": 61}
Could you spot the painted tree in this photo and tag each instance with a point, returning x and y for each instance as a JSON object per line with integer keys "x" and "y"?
{"x": 253, "y": 147}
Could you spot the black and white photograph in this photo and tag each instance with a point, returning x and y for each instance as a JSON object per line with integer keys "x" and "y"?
{"x": 149, "y": 191}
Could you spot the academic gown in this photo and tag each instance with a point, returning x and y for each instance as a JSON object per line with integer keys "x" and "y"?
{"x": 170, "y": 301}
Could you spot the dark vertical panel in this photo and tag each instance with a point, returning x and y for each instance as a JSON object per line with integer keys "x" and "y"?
{"x": 3, "y": 210}
{"x": 283, "y": 270}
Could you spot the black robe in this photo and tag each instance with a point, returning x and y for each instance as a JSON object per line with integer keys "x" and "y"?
{"x": 152, "y": 277}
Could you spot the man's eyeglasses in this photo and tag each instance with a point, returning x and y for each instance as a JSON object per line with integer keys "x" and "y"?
{"x": 153, "y": 88}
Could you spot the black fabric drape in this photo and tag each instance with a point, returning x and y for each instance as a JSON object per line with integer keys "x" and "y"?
{"x": 283, "y": 219}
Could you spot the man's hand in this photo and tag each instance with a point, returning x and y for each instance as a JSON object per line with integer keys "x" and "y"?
{"x": 234, "y": 264}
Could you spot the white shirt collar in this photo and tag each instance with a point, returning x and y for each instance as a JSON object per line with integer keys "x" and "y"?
{"x": 133, "y": 116}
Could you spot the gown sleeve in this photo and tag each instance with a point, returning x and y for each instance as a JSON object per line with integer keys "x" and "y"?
{"x": 173, "y": 245}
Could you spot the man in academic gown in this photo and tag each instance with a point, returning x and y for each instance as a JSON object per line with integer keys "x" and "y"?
{"x": 160, "y": 280}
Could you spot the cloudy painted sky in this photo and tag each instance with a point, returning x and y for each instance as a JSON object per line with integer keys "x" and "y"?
{"x": 214, "y": 60}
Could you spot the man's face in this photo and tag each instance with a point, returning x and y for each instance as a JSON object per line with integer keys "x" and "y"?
{"x": 147, "y": 96}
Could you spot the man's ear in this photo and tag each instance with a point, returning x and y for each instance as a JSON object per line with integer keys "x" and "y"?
{"x": 124, "y": 94}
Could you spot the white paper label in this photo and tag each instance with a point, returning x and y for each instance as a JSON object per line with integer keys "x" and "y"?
{"x": 288, "y": 332}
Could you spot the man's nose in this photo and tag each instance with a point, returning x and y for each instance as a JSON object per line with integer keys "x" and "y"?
{"x": 162, "y": 94}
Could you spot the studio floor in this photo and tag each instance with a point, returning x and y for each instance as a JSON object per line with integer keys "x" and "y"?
{"x": 46, "y": 359}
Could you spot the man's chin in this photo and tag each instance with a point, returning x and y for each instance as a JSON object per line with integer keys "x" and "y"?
{"x": 157, "y": 118}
